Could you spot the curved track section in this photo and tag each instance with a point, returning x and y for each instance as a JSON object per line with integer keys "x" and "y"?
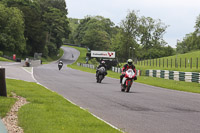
{"x": 145, "y": 109}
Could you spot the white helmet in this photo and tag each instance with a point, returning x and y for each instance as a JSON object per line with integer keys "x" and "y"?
{"x": 130, "y": 62}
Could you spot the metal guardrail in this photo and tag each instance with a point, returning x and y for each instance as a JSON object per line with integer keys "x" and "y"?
{"x": 86, "y": 65}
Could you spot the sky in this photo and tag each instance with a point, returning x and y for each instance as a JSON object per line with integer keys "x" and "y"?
{"x": 180, "y": 15}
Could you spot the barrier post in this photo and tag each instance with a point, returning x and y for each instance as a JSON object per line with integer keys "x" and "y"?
{"x": 3, "y": 91}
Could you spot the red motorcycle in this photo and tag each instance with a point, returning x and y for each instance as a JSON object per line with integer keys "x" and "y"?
{"x": 127, "y": 80}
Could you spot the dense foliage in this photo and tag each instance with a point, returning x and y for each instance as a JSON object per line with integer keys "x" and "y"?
{"x": 137, "y": 37}
{"x": 11, "y": 30}
{"x": 31, "y": 26}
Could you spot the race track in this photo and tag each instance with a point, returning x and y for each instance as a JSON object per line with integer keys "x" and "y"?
{"x": 146, "y": 109}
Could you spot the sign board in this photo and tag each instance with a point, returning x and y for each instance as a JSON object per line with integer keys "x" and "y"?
{"x": 103, "y": 54}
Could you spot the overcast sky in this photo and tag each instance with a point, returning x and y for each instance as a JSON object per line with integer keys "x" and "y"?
{"x": 180, "y": 15}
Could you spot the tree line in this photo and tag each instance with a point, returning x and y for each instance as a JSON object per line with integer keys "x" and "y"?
{"x": 29, "y": 26}
{"x": 137, "y": 36}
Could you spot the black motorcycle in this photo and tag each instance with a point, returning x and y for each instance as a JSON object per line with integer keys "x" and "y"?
{"x": 60, "y": 64}
{"x": 100, "y": 74}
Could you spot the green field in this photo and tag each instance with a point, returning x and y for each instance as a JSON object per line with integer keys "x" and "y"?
{"x": 4, "y": 59}
{"x": 189, "y": 62}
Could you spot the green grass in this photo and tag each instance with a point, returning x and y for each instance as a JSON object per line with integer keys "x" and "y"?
{"x": 4, "y": 59}
{"x": 82, "y": 57}
{"x": 50, "y": 59}
{"x": 171, "y": 63}
{"x": 5, "y": 105}
{"x": 170, "y": 84}
{"x": 49, "y": 112}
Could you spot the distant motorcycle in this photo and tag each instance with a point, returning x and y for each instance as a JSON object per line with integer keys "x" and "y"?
{"x": 127, "y": 80}
{"x": 60, "y": 64}
{"x": 101, "y": 72}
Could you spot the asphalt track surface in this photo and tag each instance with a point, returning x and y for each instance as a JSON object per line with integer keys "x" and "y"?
{"x": 146, "y": 109}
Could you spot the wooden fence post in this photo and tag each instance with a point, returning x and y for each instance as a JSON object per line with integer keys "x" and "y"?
{"x": 3, "y": 91}
{"x": 156, "y": 62}
{"x": 185, "y": 63}
{"x": 167, "y": 62}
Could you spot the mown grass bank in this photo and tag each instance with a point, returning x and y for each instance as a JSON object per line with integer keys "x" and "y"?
{"x": 159, "y": 82}
{"x": 188, "y": 62}
{"x": 50, "y": 59}
{"x": 48, "y": 112}
{"x": 4, "y": 59}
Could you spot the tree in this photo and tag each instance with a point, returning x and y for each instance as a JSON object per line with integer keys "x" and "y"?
{"x": 12, "y": 30}
{"x": 57, "y": 26}
{"x": 143, "y": 31}
{"x": 94, "y": 32}
{"x": 130, "y": 28}
{"x": 46, "y": 24}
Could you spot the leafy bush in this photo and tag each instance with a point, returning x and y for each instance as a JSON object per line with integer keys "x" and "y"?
{"x": 94, "y": 62}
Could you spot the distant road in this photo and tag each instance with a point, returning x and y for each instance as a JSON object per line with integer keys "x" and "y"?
{"x": 146, "y": 109}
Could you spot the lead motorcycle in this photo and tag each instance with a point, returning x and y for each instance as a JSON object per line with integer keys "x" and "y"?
{"x": 101, "y": 72}
{"x": 127, "y": 80}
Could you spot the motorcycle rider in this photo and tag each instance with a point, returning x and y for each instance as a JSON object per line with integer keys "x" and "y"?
{"x": 102, "y": 64}
{"x": 127, "y": 66}
{"x": 60, "y": 64}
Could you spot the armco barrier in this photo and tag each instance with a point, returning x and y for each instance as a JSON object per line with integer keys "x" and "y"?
{"x": 86, "y": 65}
{"x": 175, "y": 75}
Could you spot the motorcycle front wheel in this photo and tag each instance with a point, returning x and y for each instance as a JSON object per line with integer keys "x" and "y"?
{"x": 100, "y": 78}
{"x": 128, "y": 86}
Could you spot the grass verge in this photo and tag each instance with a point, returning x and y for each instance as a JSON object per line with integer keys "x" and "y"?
{"x": 184, "y": 63}
{"x": 49, "y": 112}
{"x": 4, "y": 59}
{"x": 50, "y": 59}
{"x": 6, "y": 104}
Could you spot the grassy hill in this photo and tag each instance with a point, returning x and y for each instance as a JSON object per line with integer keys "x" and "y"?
{"x": 189, "y": 62}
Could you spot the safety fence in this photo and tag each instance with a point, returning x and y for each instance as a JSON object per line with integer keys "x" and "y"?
{"x": 119, "y": 70}
{"x": 171, "y": 62}
{"x": 175, "y": 75}
{"x": 86, "y": 65}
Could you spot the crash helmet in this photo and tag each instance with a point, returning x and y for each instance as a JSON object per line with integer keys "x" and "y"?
{"x": 60, "y": 61}
{"x": 130, "y": 62}
{"x": 102, "y": 62}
